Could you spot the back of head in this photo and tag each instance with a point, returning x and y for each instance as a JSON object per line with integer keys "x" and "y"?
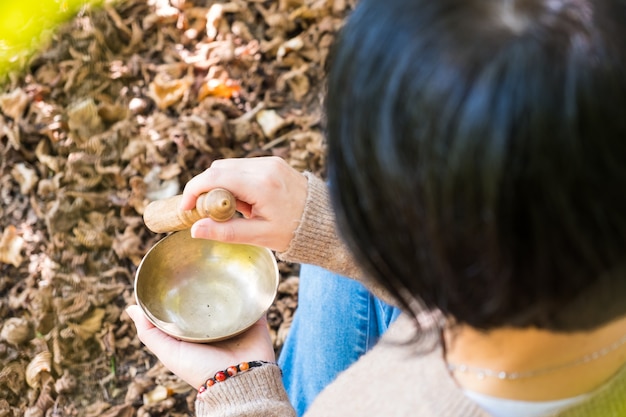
{"x": 477, "y": 156}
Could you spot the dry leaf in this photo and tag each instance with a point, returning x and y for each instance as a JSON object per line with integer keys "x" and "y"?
{"x": 73, "y": 307}
{"x": 167, "y": 92}
{"x": 123, "y": 94}
{"x": 214, "y": 17}
{"x": 84, "y": 120}
{"x": 158, "y": 394}
{"x": 14, "y": 103}
{"x": 137, "y": 387}
{"x": 11, "y": 247}
{"x": 25, "y": 176}
{"x": 122, "y": 410}
{"x": 16, "y": 330}
{"x": 218, "y": 88}
{"x": 66, "y": 383}
{"x": 158, "y": 189}
{"x": 42, "y": 362}
{"x": 297, "y": 80}
{"x": 293, "y": 44}
{"x": 12, "y": 376}
{"x": 270, "y": 122}
{"x": 91, "y": 325}
{"x": 13, "y": 134}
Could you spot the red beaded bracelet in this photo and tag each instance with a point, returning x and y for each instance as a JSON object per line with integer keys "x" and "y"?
{"x": 222, "y": 376}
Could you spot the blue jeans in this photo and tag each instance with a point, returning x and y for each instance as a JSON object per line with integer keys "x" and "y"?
{"x": 337, "y": 321}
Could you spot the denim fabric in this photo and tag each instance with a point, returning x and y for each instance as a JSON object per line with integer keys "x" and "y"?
{"x": 337, "y": 320}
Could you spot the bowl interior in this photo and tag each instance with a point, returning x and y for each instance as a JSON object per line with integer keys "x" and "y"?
{"x": 201, "y": 290}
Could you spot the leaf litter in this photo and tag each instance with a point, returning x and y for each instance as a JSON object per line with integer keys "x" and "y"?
{"x": 125, "y": 105}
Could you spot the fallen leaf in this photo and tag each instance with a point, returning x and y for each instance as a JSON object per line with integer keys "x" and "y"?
{"x": 41, "y": 363}
{"x": 14, "y": 103}
{"x": 270, "y": 122}
{"x": 166, "y": 93}
{"x": 11, "y": 247}
{"x": 218, "y": 88}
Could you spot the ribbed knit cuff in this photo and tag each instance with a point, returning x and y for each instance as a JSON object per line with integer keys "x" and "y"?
{"x": 316, "y": 240}
{"x": 258, "y": 392}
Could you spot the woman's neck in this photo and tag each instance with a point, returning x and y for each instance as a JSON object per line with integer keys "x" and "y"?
{"x": 535, "y": 365}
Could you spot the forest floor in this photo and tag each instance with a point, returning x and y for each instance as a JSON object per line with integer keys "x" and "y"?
{"x": 125, "y": 104}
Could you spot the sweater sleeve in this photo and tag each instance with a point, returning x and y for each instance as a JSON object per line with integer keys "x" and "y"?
{"x": 317, "y": 242}
{"x": 256, "y": 393}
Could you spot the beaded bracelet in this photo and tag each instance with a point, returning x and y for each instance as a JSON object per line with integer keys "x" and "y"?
{"x": 222, "y": 376}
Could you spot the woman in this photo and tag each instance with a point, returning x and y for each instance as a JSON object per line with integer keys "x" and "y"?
{"x": 476, "y": 155}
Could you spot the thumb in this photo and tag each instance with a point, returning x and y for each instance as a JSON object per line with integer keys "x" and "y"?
{"x": 248, "y": 231}
{"x": 136, "y": 315}
{"x": 152, "y": 337}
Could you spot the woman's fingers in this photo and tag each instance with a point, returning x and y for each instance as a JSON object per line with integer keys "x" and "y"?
{"x": 270, "y": 194}
{"x": 195, "y": 362}
{"x": 249, "y": 231}
{"x": 243, "y": 177}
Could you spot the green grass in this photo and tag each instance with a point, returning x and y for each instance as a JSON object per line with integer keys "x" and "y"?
{"x": 25, "y": 25}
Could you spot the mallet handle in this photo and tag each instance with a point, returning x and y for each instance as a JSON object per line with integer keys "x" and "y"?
{"x": 164, "y": 216}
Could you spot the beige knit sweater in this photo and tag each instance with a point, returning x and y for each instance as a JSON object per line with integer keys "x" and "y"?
{"x": 398, "y": 377}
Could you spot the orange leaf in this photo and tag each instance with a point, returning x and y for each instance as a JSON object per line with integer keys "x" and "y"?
{"x": 218, "y": 88}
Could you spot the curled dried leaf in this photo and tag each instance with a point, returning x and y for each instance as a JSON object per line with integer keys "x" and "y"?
{"x": 14, "y": 103}
{"x": 166, "y": 92}
{"x": 39, "y": 364}
{"x": 16, "y": 330}
{"x": 112, "y": 113}
{"x": 92, "y": 233}
{"x": 84, "y": 120}
{"x": 45, "y": 400}
{"x": 66, "y": 384}
{"x": 12, "y": 377}
{"x": 42, "y": 152}
{"x": 13, "y": 135}
{"x": 91, "y": 325}
{"x": 73, "y": 307}
{"x": 25, "y": 176}
{"x": 90, "y": 238}
{"x": 11, "y": 247}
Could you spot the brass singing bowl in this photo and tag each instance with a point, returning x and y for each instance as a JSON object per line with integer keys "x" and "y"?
{"x": 199, "y": 290}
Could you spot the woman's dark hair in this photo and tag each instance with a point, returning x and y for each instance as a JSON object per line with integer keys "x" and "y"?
{"x": 477, "y": 156}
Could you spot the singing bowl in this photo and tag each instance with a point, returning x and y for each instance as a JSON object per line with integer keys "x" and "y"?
{"x": 199, "y": 290}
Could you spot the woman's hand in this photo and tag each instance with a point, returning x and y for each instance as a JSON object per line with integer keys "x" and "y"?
{"x": 195, "y": 362}
{"x": 270, "y": 194}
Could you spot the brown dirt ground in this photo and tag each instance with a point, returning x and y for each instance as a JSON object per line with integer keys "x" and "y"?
{"x": 123, "y": 107}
